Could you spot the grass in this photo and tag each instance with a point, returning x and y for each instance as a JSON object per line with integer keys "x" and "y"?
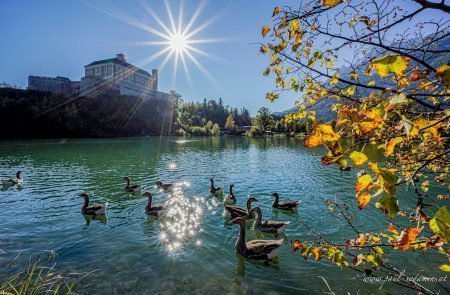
{"x": 39, "y": 277}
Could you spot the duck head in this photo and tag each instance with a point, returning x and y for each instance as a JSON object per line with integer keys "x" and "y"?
{"x": 147, "y": 194}
{"x": 158, "y": 183}
{"x": 18, "y": 174}
{"x": 84, "y": 195}
{"x": 126, "y": 178}
{"x": 275, "y": 195}
{"x": 256, "y": 209}
{"x": 238, "y": 220}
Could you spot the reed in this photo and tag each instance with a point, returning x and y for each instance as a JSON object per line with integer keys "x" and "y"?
{"x": 38, "y": 277}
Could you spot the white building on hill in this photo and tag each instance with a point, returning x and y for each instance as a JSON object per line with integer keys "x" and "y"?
{"x": 119, "y": 76}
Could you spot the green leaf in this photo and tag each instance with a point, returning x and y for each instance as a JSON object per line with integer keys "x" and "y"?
{"x": 389, "y": 205}
{"x": 440, "y": 223}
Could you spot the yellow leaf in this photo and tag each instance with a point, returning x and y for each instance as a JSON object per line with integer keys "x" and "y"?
{"x": 443, "y": 73}
{"x": 334, "y": 80}
{"x": 265, "y": 30}
{"x": 331, "y": 3}
{"x": 351, "y": 90}
{"x": 390, "y": 146}
{"x": 390, "y": 64}
{"x": 363, "y": 200}
{"x": 358, "y": 158}
{"x": 445, "y": 267}
{"x": 294, "y": 25}
{"x": 276, "y": 10}
{"x": 363, "y": 182}
{"x": 321, "y": 134}
{"x": 371, "y": 83}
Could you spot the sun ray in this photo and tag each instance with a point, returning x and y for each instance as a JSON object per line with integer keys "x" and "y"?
{"x": 155, "y": 17}
{"x": 176, "y": 37}
{"x": 194, "y": 17}
{"x": 169, "y": 13}
{"x": 127, "y": 19}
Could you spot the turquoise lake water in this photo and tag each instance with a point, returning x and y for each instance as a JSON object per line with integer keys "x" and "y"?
{"x": 193, "y": 251}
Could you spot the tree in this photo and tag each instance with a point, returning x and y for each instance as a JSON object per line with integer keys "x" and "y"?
{"x": 389, "y": 87}
{"x": 215, "y": 130}
{"x": 264, "y": 120}
{"x": 230, "y": 124}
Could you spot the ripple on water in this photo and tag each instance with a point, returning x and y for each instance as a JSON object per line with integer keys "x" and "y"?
{"x": 192, "y": 248}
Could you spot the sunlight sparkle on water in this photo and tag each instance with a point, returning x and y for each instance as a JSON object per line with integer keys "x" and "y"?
{"x": 182, "y": 221}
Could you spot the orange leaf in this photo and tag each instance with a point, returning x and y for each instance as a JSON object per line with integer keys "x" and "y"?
{"x": 407, "y": 236}
{"x": 363, "y": 200}
{"x": 390, "y": 146}
{"x": 296, "y": 245}
{"x": 265, "y": 30}
{"x": 393, "y": 229}
{"x": 321, "y": 134}
{"x": 317, "y": 254}
{"x": 276, "y": 10}
{"x": 331, "y": 3}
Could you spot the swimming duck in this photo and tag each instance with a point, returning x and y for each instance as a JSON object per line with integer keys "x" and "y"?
{"x": 268, "y": 226}
{"x": 230, "y": 199}
{"x": 218, "y": 191}
{"x": 235, "y": 211}
{"x": 284, "y": 205}
{"x": 348, "y": 168}
{"x": 131, "y": 187}
{"x": 97, "y": 209}
{"x": 153, "y": 210}
{"x": 264, "y": 250}
{"x": 164, "y": 186}
{"x": 13, "y": 180}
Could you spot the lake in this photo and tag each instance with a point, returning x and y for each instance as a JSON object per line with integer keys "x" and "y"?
{"x": 128, "y": 252}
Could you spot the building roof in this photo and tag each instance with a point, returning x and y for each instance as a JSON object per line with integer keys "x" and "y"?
{"x": 120, "y": 62}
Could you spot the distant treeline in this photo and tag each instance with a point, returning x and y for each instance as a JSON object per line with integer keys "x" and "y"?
{"x": 208, "y": 117}
{"x": 33, "y": 114}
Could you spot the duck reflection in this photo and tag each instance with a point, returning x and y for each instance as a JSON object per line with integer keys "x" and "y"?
{"x": 241, "y": 261}
{"x": 99, "y": 218}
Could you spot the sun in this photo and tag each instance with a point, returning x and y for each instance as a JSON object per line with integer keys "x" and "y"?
{"x": 178, "y": 43}
{"x": 178, "y": 40}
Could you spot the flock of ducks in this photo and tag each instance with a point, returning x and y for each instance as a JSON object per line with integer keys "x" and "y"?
{"x": 255, "y": 249}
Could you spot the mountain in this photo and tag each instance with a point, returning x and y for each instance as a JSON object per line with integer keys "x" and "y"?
{"x": 323, "y": 108}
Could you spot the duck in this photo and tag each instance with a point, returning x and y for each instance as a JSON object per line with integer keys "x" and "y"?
{"x": 157, "y": 210}
{"x": 13, "y": 180}
{"x": 347, "y": 168}
{"x": 218, "y": 191}
{"x": 131, "y": 187}
{"x": 284, "y": 205}
{"x": 268, "y": 226}
{"x": 164, "y": 186}
{"x": 230, "y": 199}
{"x": 262, "y": 250}
{"x": 235, "y": 211}
{"x": 97, "y": 209}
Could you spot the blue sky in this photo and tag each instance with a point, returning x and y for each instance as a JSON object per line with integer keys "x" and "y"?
{"x": 53, "y": 37}
{"x": 50, "y": 37}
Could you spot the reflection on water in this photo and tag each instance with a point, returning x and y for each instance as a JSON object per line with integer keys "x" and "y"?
{"x": 180, "y": 225}
{"x": 191, "y": 249}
